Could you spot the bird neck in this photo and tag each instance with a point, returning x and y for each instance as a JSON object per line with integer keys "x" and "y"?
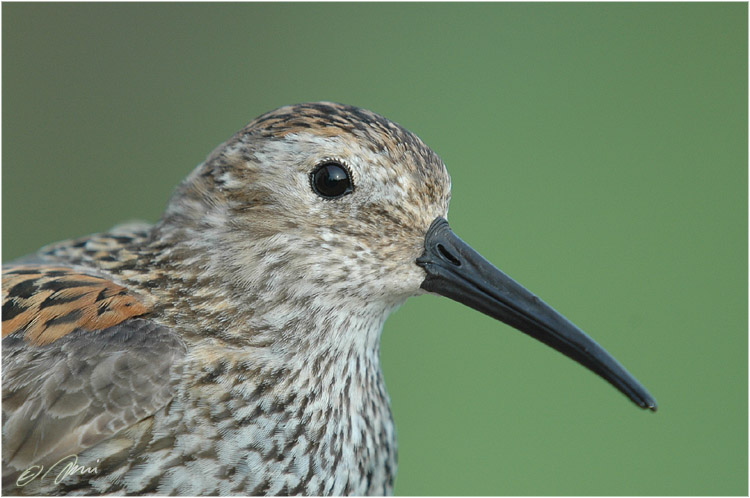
{"x": 286, "y": 360}
{"x": 291, "y": 374}
{"x": 316, "y": 402}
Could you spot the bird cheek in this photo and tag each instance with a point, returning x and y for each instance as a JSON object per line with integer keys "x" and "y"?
{"x": 408, "y": 280}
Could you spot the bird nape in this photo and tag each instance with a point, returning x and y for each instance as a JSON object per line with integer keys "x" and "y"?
{"x": 232, "y": 347}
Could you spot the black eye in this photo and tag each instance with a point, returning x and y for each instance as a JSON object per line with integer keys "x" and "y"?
{"x": 331, "y": 180}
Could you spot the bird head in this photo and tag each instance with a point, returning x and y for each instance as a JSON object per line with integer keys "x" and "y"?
{"x": 319, "y": 207}
{"x": 335, "y": 198}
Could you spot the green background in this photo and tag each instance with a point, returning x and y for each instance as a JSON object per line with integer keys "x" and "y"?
{"x": 598, "y": 155}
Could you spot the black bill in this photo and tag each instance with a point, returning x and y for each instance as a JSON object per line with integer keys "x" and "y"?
{"x": 457, "y": 271}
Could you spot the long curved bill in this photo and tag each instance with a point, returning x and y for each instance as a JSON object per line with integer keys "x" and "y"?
{"x": 457, "y": 271}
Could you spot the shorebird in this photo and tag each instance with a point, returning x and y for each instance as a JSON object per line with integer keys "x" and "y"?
{"x": 233, "y": 347}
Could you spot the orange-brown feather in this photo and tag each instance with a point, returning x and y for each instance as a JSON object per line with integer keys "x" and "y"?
{"x": 47, "y": 303}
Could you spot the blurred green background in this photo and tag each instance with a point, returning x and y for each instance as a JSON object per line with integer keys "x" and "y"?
{"x": 598, "y": 155}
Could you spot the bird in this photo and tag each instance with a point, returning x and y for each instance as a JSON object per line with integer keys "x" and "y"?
{"x": 233, "y": 346}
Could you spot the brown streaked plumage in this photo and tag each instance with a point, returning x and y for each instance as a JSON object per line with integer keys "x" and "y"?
{"x": 233, "y": 347}
{"x": 46, "y": 303}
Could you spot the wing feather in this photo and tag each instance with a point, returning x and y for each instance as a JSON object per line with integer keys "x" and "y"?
{"x": 48, "y": 302}
{"x": 71, "y": 384}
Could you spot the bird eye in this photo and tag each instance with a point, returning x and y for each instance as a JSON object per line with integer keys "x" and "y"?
{"x": 331, "y": 180}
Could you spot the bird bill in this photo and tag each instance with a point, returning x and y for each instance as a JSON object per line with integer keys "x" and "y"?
{"x": 457, "y": 271}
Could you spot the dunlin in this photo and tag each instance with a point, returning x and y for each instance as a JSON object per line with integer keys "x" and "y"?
{"x": 233, "y": 347}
